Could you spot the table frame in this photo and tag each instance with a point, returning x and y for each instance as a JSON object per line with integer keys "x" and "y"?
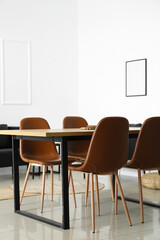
{"x": 62, "y": 136}
{"x": 64, "y": 159}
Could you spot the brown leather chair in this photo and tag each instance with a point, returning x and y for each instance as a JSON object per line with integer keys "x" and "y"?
{"x": 107, "y": 153}
{"x": 38, "y": 153}
{"x": 146, "y": 155}
{"x": 77, "y": 150}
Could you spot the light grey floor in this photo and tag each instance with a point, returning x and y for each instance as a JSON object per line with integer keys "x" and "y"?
{"x": 108, "y": 226}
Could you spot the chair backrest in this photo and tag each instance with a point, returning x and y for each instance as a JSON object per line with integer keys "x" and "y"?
{"x": 76, "y": 148}
{"x": 108, "y": 150}
{"x": 147, "y": 150}
{"x": 36, "y": 149}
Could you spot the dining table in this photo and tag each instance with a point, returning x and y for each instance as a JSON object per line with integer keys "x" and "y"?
{"x": 54, "y": 135}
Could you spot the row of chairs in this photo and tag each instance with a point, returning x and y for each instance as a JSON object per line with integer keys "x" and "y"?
{"x": 106, "y": 153}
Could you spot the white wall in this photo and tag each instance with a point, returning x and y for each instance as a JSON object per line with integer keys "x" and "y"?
{"x": 110, "y": 33}
{"x": 51, "y": 27}
{"x": 78, "y": 55}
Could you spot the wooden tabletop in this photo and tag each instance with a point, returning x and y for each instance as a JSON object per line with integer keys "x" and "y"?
{"x": 56, "y": 132}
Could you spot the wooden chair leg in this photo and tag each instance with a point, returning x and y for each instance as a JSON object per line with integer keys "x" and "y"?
{"x": 25, "y": 182}
{"x": 116, "y": 198}
{"x": 51, "y": 183}
{"x": 87, "y": 188}
{"x": 92, "y": 203}
{"x": 43, "y": 187}
{"x": 97, "y": 194}
{"x": 140, "y": 194}
{"x": 72, "y": 187}
{"x": 112, "y": 192}
{"x": 123, "y": 199}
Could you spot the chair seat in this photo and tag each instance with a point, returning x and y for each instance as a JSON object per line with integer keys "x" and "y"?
{"x": 44, "y": 161}
{"x": 129, "y": 165}
{"x": 75, "y": 167}
{"x": 79, "y": 157}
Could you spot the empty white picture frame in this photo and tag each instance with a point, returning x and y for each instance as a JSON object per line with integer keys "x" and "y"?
{"x": 136, "y": 78}
{"x": 15, "y": 72}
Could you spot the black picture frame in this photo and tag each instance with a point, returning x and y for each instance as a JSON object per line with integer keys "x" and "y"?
{"x": 136, "y": 77}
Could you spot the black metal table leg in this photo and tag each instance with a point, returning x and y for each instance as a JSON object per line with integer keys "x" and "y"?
{"x": 15, "y": 154}
{"x": 151, "y": 204}
{"x": 65, "y": 197}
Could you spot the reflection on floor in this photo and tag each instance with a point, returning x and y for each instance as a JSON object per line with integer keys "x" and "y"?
{"x": 108, "y": 226}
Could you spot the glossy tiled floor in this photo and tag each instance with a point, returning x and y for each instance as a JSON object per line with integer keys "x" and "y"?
{"x": 108, "y": 226}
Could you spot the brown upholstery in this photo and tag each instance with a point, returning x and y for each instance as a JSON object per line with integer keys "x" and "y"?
{"x": 147, "y": 152}
{"x": 108, "y": 152}
{"x": 39, "y": 152}
{"x": 76, "y": 149}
